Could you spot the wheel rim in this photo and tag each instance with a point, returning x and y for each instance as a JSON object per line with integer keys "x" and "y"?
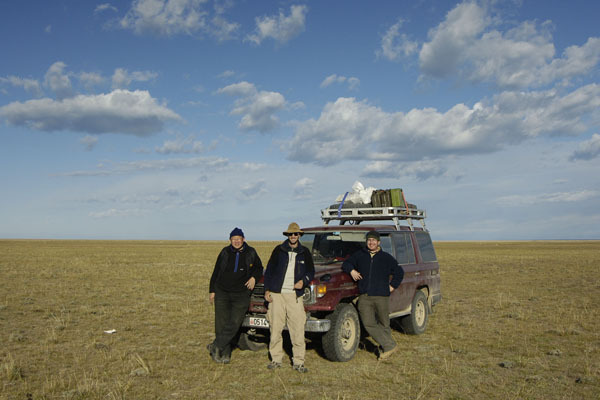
{"x": 348, "y": 334}
{"x": 420, "y": 313}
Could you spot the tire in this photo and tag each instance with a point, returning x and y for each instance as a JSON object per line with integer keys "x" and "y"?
{"x": 341, "y": 341}
{"x": 416, "y": 322}
{"x": 250, "y": 341}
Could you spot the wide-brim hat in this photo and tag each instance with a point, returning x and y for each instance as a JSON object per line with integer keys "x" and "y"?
{"x": 293, "y": 228}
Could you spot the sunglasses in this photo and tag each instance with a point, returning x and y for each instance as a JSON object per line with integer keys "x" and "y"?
{"x": 292, "y": 234}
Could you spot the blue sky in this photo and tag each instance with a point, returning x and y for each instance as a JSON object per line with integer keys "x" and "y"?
{"x": 181, "y": 119}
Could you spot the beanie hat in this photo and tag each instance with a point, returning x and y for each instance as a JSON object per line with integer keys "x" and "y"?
{"x": 373, "y": 234}
{"x": 236, "y": 232}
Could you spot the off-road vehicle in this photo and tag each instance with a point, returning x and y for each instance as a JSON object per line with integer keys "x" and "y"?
{"x": 330, "y": 298}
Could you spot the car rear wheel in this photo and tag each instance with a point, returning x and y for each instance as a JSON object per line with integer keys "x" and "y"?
{"x": 250, "y": 340}
{"x": 341, "y": 341}
{"x": 416, "y": 322}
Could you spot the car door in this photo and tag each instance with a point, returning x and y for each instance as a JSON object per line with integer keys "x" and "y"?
{"x": 404, "y": 252}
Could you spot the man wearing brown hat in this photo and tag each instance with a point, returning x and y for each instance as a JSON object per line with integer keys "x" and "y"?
{"x": 289, "y": 270}
{"x": 371, "y": 267}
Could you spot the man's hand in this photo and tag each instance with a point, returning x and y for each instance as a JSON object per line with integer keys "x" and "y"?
{"x": 355, "y": 275}
{"x": 211, "y": 297}
{"x": 299, "y": 285}
{"x": 250, "y": 283}
{"x": 268, "y": 296}
{"x": 391, "y": 289}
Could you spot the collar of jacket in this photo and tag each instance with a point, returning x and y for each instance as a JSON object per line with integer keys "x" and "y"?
{"x": 234, "y": 250}
{"x": 286, "y": 246}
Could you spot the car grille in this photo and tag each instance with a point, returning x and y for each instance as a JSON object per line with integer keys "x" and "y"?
{"x": 258, "y": 294}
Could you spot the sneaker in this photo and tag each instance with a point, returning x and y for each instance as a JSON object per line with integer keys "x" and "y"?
{"x": 386, "y": 354}
{"x": 274, "y": 365}
{"x": 300, "y": 368}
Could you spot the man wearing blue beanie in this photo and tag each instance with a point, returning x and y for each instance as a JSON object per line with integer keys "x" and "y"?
{"x": 236, "y": 271}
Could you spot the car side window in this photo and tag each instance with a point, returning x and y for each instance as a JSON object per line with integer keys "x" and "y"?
{"x": 405, "y": 253}
{"x": 425, "y": 247}
{"x": 386, "y": 244}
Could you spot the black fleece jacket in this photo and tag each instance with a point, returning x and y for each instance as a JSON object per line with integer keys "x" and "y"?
{"x": 375, "y": 271}
{"x": 249, "y": 266}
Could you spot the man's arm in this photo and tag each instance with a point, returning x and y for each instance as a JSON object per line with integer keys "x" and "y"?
{"x": 350, "y": 266}
{"x": 213, "y": 278}
{"x": 397, "y": 273}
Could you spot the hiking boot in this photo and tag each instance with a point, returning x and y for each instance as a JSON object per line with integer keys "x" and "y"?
{"x": 386, "y": 354}
{"x": 215, "y": 353}
{"x": 274, "y": 365}
{"x": 300, "y": 368}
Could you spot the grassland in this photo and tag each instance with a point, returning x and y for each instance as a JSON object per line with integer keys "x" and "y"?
{"x": 519, "y": 320}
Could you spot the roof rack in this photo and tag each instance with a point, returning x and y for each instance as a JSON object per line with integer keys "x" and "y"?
{"x": 357, "y": 215}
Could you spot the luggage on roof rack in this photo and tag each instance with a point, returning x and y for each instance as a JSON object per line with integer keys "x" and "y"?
{"x": 360, "y": 214}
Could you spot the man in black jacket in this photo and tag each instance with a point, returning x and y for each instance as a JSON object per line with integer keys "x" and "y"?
{"x": 237, "y": 270}
{"x": 372, "y": 268}
{"x": 289, "y": 270}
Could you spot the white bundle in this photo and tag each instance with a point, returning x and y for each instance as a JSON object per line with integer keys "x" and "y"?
{"x": 358, "y": 195}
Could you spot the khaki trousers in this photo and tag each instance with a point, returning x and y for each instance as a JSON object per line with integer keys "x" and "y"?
{"x": 287, "y": 309}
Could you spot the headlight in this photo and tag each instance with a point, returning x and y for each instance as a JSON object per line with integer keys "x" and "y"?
{"x": 320, "y": 290}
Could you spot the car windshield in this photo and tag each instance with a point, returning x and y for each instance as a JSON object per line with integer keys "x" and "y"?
{"x": 330, "y": 247}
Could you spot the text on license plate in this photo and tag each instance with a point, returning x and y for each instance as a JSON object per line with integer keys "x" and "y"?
{"x": 262, "y": 322}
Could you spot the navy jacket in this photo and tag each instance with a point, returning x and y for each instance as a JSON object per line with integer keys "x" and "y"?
{"x": 375, "y": 271}
{"x": 304, "y": 269}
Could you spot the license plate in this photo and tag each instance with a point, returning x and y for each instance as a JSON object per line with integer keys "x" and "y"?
{"x": 259, "y": 322}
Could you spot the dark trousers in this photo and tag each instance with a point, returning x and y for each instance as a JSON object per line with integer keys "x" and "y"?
{"x": 375, "y": 316}
{"x": 230, "y": 310}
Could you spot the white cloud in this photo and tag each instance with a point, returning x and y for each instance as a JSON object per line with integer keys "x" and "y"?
{"x": 30, "y": 85}
{"x": 179, "y": 17}
{"x": 559, "y": 197}
{"x": 420, "y": 170}
{"x": 123, "y": 78}
{"x": 89, "y": 142}
{"x": 280, "y": 28}
{"x": 239, "y": 89}
{"x": 181, "y": 145}
{"x": 253, "y": 190}
{"x": 257, "y": 108}
{"x": 222, "y": 29}
{"x": 356, "y": 130}
{"x": 253, "y": 166}
{"x": 120, "y": 111}
{"x": 58, "y": 81}
{"x": 113, "y": 212}
{"x": 524, "y": 56}
{"x": 105, "y": 7}
{"x": 123, "y": 168}
{"x": 395, "y": 45}
{"x": 226, "y": 74}
{"x": 303, "y": 188}
{"x": 90, "y": 79}
{"x": 165, "y": 17}
{"x": 334, "y": 78}
{"x": 587, "y": 150}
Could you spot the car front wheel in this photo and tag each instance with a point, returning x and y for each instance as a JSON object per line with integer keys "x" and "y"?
{"x": 341, "y": 341}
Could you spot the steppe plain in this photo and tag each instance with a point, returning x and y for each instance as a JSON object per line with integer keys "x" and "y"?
{"x": 518, "y": 320}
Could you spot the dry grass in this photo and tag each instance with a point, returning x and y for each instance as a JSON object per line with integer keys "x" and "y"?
{"x": 519, "y": 320}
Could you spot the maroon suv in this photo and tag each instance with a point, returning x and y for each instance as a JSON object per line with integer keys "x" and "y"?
{"x": 330, "y": 298}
